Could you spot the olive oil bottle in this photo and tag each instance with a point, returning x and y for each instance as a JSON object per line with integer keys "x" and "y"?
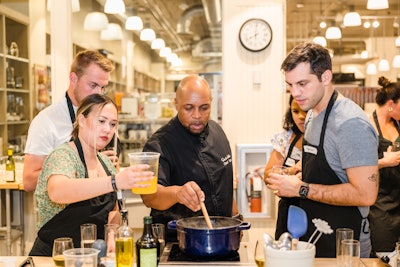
{"x": 10, "y": 167}
{"x": 147, "y": 246}
{"x": 124, "y": 243}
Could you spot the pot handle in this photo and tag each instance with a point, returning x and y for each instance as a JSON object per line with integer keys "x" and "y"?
{"x": 244, "y": 226}
{"x": 171, "y": 224}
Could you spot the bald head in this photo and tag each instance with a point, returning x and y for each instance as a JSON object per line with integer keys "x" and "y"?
{"x": 193, "y": 103}
{"x": 193, "y": 83}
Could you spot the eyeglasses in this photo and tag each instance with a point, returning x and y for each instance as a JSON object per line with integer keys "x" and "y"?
{"x": 96, "y": 86}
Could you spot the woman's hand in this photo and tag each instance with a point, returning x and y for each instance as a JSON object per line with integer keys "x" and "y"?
{"x": 136, "y": 176}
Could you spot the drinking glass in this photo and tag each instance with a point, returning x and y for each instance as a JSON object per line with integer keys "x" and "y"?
{"x": 110, "y": 234}
{"x": 88, "y": 235}
{"x": 351, "y": 252}
{"x": 151, "y": 159}
{"x": 159, "y": 232}
{"x": 342, "y": 234}
{"x": 280, "y": 170}
{"x": 259, "y": 254}
{"x": 59, "y": 246}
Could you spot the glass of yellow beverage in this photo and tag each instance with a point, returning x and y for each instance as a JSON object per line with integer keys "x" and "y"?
{"x": 59, "y": 246}
{"x": 151, "y": 159}
{"x": 259, "y": 253}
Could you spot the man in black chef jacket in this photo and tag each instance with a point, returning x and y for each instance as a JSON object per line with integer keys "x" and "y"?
{"x": 195, "y": 161}
{"x": 340, "y": 159}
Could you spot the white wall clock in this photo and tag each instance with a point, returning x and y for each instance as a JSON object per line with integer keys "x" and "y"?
{"x": 255, "y": 34}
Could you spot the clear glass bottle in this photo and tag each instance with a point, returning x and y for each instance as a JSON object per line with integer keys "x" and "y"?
{"x": 10, "y": 167}
{"x": 147, "y": 246}
{"x": 124, "y": 243}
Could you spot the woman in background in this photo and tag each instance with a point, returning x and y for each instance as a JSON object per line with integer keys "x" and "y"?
{"x": 384, "y": 215}
{"x": 78, "y": 184}
{"x": 287, "y": 152}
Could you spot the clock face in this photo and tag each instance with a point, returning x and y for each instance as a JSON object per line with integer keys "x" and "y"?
{"x": 255, "y": 35}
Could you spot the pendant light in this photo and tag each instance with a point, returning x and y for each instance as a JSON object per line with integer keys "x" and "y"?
{"x": 95, "y": 21}
{"x": 377, "y": 4}
{"x": 351, "y": 18}
{"x": 112, "y": 33}
{"x": 396, "y": 62}
{"x": 320, "y": 40}
{"x": 333, "y": 32}
{"x": 147, "y": 34}
{"x": 134, "y": 23}
{"x": 157, "y": 43}
{"x": 371, "y": 69}
{"x": 114, "y": 7}
{"x": 165, "y": 51}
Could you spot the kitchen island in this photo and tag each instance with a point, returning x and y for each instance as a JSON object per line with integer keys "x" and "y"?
{"x": 319, "y": 262}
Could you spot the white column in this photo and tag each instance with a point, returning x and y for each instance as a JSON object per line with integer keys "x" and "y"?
{"x": 61, "y": 47}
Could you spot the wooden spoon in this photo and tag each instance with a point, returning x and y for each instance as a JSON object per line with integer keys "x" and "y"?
{"x": 205, "y": 213}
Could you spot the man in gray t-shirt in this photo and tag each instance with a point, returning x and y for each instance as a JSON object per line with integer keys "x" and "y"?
{"x": 339, "y": 179}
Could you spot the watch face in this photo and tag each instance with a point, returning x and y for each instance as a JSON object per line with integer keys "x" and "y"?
{"x": 255, "y": 35}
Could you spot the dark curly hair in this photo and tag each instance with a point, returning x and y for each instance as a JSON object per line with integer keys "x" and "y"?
{"x": 388, "y": 91}
{"x": 288, "y": 122}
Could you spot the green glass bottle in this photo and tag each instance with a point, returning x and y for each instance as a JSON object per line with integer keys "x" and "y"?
{"x": 124, "y": 243}
{"x": 147, "y": 246}
{"x": 10, "y": 168}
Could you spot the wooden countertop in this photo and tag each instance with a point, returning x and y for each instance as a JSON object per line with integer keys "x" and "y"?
{"x": 14, "y": 185}
{"x": 319, "y": 262}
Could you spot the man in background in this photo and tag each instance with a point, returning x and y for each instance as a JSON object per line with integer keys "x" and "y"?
{"x": 195, "y": 161}
{"x": 90, "y": 74}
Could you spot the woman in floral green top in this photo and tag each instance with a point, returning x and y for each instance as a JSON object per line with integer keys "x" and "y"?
{"x": 78, "y": 184}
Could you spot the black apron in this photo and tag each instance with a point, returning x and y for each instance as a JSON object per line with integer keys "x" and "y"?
{"x": 285, "y": 202}
{"x": 385, "y": 213}
{"x": 67, "y": 222}
{"x": 316, "y": 170}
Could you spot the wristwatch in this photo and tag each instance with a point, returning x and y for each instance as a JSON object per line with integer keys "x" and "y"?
{"x": 304, "y": 188}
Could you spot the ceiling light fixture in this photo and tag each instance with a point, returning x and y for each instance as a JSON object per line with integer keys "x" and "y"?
{"x": 364, "y": 54}
{"x": 112, "y": 33}
{"x": 114, "y": 7}
{"x": 371, "y": 69}
{"x": 367, "y": 24}
{"x": 377, "y": 4}
{"x": 165, "y": 51}
{"x": 95, "y": 21}
{"x": 157, "y": 43}
{"x": 333, "y": 32}
{"x": 375, "y": 24}
{"x": 352, "y": 18}
{"x": 147, "y": 34}
{"x": 396, "y": 62}
{"x": 384, "y": 65}
{"x": 134, "y": 23}
{"x": 322, "y": 24}
{"x": 320, "y": 40}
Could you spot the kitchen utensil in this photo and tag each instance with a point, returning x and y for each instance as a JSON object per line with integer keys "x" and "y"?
{"x": 196, "y": 239}
{"x": 322, "y": 227}
{"x": 268, "y": 240}
{"x": 205, "y": 214}
{"x": 297, "y": 224}
{"x": 77, "y": 257}
{"x": 285, "y": 241}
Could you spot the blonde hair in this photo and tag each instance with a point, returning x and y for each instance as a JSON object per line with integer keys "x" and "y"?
{"x": 84, "y": 58}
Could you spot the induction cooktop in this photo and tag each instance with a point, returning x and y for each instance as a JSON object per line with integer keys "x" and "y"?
{"x": 173, "y": 256}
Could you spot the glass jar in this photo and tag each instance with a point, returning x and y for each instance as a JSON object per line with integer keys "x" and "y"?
{"x": 152, "y": 107}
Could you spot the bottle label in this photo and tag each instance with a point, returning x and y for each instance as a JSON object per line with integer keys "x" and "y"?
{"x": 148, "y": 257}
{"x": 9, "y": 176}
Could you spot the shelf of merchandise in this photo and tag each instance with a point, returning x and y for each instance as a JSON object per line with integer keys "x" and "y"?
{"x": 15, "y": 96}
